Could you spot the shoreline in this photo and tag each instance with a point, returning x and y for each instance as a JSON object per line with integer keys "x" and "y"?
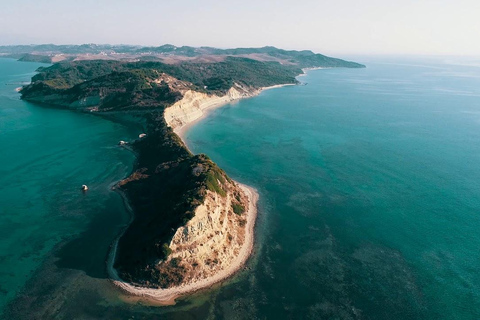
{"x": 168, "y": 296}
{"x": 305, "y": 71}
{"x": 206, "y": 111}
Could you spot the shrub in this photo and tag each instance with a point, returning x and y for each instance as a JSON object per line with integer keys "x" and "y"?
{"x": 238, "y": 208}
{"x": 212, "y": 181}
{"x": 166, "y": 251}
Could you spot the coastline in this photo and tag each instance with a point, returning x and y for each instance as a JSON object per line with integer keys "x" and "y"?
{"x": 168, "y": 296}
{"x": 207, "y": 108}
{"x": 305, "y": 71}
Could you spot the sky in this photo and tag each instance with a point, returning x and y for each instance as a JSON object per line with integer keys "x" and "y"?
{"x": 440, "y": 27}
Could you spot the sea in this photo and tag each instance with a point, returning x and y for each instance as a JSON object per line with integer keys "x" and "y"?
{"x": 369, "y": 184}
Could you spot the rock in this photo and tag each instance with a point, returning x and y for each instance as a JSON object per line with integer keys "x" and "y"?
{"x": 193, "y": 104}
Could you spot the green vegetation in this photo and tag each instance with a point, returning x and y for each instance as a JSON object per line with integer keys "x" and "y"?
{"x": 168, "y": 182}
{"x": 209, "y": 77}
{"x": 35, "y": 58}
{"x": 166, "y": 251}
{"x": 238, "y": 208}
{"x": 68, "y": 74}
{"x": 215, "y": 181}
{"x": 220, "y": 76}
{"x": 302, "y": 59}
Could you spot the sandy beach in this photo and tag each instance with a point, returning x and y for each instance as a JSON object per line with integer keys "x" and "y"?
{"x": 180, "y": 131}
{"x": 208, "y": 108}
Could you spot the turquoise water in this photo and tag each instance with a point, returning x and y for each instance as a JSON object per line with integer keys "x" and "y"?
{"x": 47, "y": 154}
{"x": 369, "y": 200}
{"x": 370, "y": 184}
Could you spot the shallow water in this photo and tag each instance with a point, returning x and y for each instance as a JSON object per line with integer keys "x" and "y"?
{"x": 47, "y": 155}
{"x": 369, "y": 203}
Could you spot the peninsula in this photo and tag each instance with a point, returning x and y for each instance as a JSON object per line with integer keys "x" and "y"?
{"x": 192, "y": 225}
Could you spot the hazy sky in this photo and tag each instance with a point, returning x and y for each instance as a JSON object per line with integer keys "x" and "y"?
{"x": 331, "y": 27}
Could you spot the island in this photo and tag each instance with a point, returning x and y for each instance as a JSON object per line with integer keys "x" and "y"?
{"x": 192, "y": 225}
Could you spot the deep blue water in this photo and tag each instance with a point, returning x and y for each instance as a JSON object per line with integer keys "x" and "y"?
{"x": 369, "y": 199}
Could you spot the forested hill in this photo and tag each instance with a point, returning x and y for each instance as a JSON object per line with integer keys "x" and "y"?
{"x": 213, "y": 75}
{"x": 117, "y": 82}
{"x": 169, "y": 54}
{"x": 114, "y": 85}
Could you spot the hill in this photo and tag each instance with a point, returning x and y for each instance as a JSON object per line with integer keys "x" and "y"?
{"x": 169, "y": 183}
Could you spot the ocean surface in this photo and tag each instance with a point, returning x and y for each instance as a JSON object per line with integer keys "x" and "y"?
{"x": 369, "y": 183}
{"x": 47, "y": 154}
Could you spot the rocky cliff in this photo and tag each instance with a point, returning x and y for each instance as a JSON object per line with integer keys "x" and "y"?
{"x": 213, "y": 238}
{"x": 193, "y": 104}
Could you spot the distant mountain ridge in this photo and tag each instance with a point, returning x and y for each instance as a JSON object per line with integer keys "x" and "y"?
{"x": 55, "y": 53}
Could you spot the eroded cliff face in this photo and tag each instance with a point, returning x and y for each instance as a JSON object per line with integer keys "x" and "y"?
{"x": 212, "y": 240}
{"x": 193, "y": 104}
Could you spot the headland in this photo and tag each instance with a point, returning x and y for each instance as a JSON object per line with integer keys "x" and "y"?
{"x": 192, "y": 225}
